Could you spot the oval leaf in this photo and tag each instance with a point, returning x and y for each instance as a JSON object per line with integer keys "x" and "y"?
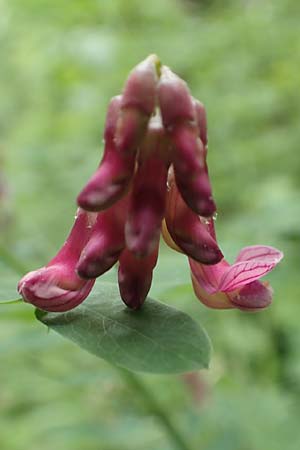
{"x": 156, "y": 339}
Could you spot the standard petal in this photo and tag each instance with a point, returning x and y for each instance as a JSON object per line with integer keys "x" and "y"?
{"x": 259, "y": 252}
{"x": 245, "y": 272}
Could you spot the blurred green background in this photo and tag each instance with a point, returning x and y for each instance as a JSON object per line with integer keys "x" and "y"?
{"x": 61, "y": 61}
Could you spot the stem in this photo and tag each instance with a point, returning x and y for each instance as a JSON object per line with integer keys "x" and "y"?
{"x": 137, "y": 385}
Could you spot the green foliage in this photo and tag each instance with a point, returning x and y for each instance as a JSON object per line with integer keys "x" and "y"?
{"x": 156, "y": 339}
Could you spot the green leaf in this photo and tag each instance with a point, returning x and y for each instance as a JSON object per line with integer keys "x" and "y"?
{"x": 157, "y": 339}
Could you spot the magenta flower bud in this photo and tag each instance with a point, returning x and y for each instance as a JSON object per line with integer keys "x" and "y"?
{"x": 138, "y": 104}
{"x": 188, "y": 231}
{"x": 147, "y": 200}
{"x": 106, "y": 243}
{"x": 184, "y": 119}
{"x": 191, "y": 170}
{"x": 135, "y": 277}
{"x": 56, "y": 287}
{"x": 175, "y": 101}
{"x": 111, "y": 180}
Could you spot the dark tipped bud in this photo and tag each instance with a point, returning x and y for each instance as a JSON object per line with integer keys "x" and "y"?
{"x": 111, "y": 180}
{"x": 188, "y": 231}
{"x": 106, "y": 242}
{"x": 138, "y": 104}
{"x": 135, "y": 277}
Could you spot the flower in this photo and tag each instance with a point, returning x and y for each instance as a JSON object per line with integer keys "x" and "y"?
{"x": 225, "y": 286}
{"x": 153, "y": 177}
{"x": 57, "y": 287}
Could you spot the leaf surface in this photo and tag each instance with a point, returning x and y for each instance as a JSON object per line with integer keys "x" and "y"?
{"x": 156, "y": 339}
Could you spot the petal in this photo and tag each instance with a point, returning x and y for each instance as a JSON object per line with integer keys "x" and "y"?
{"x": 208, "y": 277}
{"x": 187, "y": 230}
{"x": 138, "y": 104}
{"x": 252, "y": 297}
{"x": 245, "y": 272}
{"x": 191, "y": 170}
{"x": 148, "y": 196}
{"x": 42, "y": 289}
{"x": 110, "y": 181}
{"x": 174, "y": 99}
{"x": 135, "y": 277}
{"x": 57, "y": 287}
{"x": 258, "y": 252}
{"x": 106, "y": 243}
{"x": 218, "y": 300}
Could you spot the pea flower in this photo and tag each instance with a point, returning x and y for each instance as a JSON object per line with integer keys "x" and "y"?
{"x": 153, "y": 177}
{"x": 57, "y": 287}
{"x": 220, "y": 285}
{"x": 224, "y": 286}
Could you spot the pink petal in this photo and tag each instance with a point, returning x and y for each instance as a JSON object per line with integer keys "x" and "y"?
{"x": 219, "y": 300}
{"x": 253, "y": 297}
{"x": 208, "y": 277}
{"x": 256, "y": 252}
{"x": 43, "y": 289}
{"x": 244, "y": 272}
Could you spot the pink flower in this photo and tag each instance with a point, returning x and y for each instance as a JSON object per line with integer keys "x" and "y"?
{"x": 153, "y": 176}
{"x": 224, "y": 286}
{"x": 185, "y": 122}
{"x": 57, "y": 287}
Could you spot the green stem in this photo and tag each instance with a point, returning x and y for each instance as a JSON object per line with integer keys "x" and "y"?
{"x": 137, "y": 385}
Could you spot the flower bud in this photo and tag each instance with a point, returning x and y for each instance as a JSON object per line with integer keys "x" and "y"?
{"x": 191, "y": 171}
{"x": 56, "y": 287}
{"x": 180, "y": 114}
{"x": 111, "y": 180}
{"x": 188, "y": 231}
{"x": 106, "y": 243}
{"x": 147, "y": 200}
{"x": 138, "y": 104}
{"x": 176, "y": 104}
{"x": 135, "y": 277}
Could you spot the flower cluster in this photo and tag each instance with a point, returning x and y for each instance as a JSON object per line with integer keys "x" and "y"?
{"x": 153, "y": 176}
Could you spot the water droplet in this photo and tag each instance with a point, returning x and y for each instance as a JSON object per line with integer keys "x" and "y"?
{"x": 204, "y": 220}
{"x": 215, "y": 216}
